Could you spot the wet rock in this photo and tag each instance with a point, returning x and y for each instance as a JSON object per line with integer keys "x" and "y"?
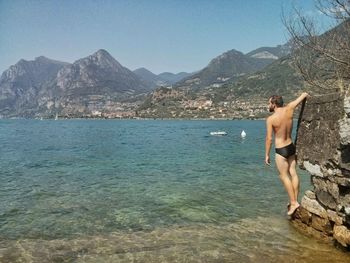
{"x": 304, "y": 215}
{"x": 321, "y": 224}
{"x": 342, "y": 235}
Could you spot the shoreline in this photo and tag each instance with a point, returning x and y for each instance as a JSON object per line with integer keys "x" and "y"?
{"x": 205, "y": 243}
{"x": 136, "y": 119}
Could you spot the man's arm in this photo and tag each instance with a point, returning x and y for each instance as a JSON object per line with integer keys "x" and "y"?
{"x": 296, "y": 102}
{"x": 268, "y": 141}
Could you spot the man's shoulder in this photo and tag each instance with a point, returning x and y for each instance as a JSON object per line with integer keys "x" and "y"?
{"x": 269, "y": 119}
{"x": 289, "y": 108}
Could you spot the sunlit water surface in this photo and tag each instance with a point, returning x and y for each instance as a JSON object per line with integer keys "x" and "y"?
{"x": 145, "y": 191}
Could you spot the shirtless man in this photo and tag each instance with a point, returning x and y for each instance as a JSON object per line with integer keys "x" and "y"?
{"x": 281, "y": 124}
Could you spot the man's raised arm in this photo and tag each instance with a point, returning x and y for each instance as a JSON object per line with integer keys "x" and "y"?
{"x": 296, "y": 102}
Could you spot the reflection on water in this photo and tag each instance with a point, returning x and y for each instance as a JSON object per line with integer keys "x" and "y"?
{"x": 248, "y": 240}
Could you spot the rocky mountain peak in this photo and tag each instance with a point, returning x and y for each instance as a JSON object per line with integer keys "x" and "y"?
{"x": 34, "y": 70}
{"x": 231, "y": 54}
{"x": 97, "y": 74}
{"x": 42, "y": 58}
{"x": 103, "y": 59}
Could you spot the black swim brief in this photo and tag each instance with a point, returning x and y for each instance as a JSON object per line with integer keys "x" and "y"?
{"x": 286, "y": 151}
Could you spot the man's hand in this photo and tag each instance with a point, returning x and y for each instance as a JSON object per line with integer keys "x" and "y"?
{"x": 306, "y": 95}
{"x": 267, "y": 160}
{"x": 296, "y": 102}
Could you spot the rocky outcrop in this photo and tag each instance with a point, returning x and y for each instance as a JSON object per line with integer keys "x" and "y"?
{"x": 323, "y": 149}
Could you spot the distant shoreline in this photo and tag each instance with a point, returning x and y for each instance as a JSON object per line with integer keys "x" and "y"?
{"x": 136, "y": 119}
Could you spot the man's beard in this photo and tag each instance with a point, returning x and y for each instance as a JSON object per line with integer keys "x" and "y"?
{"x": 271, "y": 109}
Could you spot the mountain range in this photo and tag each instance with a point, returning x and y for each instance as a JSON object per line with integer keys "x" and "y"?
{"x": 237, "y": 85}
{"x": 232, "y": 85}
{"x": 96, "y": 83}
{"x": 99, "y": 86}
{"x": 233, "y": 64}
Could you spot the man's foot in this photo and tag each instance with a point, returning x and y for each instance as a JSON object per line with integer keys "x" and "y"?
{"x": 293, "y": 208}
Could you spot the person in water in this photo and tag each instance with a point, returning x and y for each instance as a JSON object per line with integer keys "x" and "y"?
{"x": 281, "y": 124}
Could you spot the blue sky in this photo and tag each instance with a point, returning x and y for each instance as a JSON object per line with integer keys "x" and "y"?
{"x": 160, "y": 35}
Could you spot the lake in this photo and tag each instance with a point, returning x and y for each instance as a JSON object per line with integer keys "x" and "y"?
{"x": 145, "y": 191}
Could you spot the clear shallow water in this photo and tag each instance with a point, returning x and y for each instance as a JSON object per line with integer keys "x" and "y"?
{"x": 68, "y": 185}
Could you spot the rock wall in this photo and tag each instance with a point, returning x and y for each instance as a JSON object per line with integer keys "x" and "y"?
{"x": 323, "y": 149}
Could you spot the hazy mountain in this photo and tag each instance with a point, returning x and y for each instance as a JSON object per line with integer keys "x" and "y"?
{"x": 47, "y": 87}
{"x": 21, "y": 83}
{"x": 246, "y": 96}
{"x": 94, "y": 83}
{"x": 150, "y": 79}
{"x": 172, "y": 78}
{"x": 229, "y": 79}
{"x": 97, "y": 74}
{"x": 146, "y": 75}
{"x": 99, "y": 83}
{"x": 227, "y": 66}
{"x": 280, "y": 78}
{"x": 163, "y": 79}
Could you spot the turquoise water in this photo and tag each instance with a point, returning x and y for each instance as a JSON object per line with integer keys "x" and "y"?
{"x": 71, "y": 182}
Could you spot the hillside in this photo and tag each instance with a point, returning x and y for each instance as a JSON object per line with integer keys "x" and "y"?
{"x": 246, "y": 97}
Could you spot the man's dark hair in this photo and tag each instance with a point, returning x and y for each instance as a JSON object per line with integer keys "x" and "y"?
{"x": 277, "y": 100}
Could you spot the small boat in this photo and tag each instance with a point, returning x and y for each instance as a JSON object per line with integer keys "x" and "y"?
{"x": 243, "y": 134}
{"x": 218, "y": 133}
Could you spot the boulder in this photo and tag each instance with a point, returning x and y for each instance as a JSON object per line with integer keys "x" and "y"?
{"x": 310, "y": 194}
{"x": 333, "y": 216}
{"x": 326, "y": 199}
{"x": 321, "y": 224}
{"x": 303, "y": 214}
{"x": 313, "y": 207}
{"x": 342, "y": 235}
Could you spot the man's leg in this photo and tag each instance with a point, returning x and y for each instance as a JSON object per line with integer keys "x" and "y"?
{"x": 294, "y": 175}
{"x": 283, "y": 168}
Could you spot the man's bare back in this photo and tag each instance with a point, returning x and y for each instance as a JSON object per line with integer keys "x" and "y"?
{"x": 281, "y": 125}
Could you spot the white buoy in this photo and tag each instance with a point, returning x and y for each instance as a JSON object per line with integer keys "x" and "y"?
{"x": 243, "y": 134}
